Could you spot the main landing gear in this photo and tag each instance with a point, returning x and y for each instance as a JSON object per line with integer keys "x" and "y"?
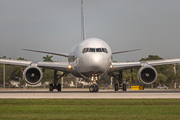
{"x": 120, "y": 84}
{"x": 54, "y": 85}
{"x": 94, "y": 88}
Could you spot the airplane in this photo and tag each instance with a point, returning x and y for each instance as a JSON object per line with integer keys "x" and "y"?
{"x": 91, "y": 58}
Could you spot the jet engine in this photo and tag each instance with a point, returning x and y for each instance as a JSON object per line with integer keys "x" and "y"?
{"x": 147, "y": 74}
{"x": 32, "y": 75}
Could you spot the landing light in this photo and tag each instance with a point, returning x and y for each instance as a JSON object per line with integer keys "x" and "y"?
{"x": 69, "y": 66}
{"x": 111, "y": 66}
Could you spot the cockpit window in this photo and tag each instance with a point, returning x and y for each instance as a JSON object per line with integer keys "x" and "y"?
{"x": 92, "y": 50}
{"x": 85, "y": 50}
{"x": 104, "y": 50}
{"x": 98, "y": 50}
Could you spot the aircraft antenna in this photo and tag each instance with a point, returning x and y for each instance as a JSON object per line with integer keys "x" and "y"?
{"x": 83, "y": 36}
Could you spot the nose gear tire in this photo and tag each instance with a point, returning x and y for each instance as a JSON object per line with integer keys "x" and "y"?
{"x": 94, "y": 88}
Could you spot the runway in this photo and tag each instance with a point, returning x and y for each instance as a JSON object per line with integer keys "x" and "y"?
{"x": 85, "y": 94}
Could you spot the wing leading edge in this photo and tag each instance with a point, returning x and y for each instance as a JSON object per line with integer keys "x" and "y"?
{"x": 117, "y": 52}
{"x": 128, "y": 65}
{"x": 49, "y": 52}
{"x": 61, "y": 66}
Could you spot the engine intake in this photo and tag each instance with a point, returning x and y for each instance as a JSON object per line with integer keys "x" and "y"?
{"x": 147, "y": 74}
{"x": 32, "y": 75}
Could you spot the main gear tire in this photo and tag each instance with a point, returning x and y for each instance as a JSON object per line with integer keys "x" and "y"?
{"x": 124, "y": 87}
{"x": 116, "y": 87}
{"x": 91, "y": 88}
{"x": 51, "y": 87}
{"x": 59, "y": 87}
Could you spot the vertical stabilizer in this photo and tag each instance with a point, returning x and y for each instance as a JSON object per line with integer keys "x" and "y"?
{"x": 83, "y": 36}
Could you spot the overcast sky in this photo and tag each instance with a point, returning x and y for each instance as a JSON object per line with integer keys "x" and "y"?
{"x": 55, "y": 25}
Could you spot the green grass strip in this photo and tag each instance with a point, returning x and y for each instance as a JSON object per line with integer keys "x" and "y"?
{"x": 91, "y": 109}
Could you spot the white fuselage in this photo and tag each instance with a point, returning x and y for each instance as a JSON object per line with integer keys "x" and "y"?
{"x": 92, "y": 56}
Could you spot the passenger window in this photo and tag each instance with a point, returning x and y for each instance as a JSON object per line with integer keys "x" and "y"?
{"x": 104, "y": 50}
{"x": 92, "y": 50}
{"x": 98, "y": 50}
{"x": 85, "y": 50}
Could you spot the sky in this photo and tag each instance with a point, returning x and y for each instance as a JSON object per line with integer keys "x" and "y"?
{"x": 55, "y": 25}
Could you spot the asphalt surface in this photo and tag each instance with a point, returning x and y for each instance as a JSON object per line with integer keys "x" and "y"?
{"x": 84, "y": 93}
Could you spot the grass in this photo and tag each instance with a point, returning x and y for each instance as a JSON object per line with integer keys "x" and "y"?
{"x": 92, "y": 109}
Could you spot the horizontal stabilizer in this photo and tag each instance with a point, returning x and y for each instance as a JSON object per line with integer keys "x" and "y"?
{"x": 124, "y": 51}
{"x": 48, "y": 52}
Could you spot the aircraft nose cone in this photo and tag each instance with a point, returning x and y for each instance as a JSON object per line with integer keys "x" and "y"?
{"x": 95, "y": 61}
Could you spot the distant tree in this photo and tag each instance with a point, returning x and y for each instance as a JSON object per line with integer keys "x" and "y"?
{"x": 106, "y": 79}
{"x": 20, "y": 58}
{"x": 161, "y": 79}
{"x": 130, "y": 76}
{"x": 174, "y": 78}
{"x": 48, "y": 75}
{"x": 151, "y": 57}
{"x": 48, "y": 58}
{"x": 160, "y": 69}
{"x": 3, "y": 57}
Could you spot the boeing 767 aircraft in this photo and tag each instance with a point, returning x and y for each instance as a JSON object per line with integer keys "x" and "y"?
{"x": 91, "y": 58}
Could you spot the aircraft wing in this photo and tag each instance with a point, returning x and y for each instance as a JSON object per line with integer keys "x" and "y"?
{"x": 48, "y": 52}
{"x": 116, "y": 52}
{"x": 15, "y": 62}
{"x": 128, "y": 65}
{"x": 61, "y": 66}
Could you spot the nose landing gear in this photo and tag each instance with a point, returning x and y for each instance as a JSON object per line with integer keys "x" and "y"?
{"x": 94, "y": 88}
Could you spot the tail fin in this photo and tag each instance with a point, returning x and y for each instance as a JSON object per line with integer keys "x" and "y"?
{"x": 83, "y": 36}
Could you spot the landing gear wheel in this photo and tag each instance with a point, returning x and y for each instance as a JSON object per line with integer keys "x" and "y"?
{"x": 91, "y": 88}
{"x": 124, "y": 87}
{"x": 94, "y": 88}
{"x": 116, "y": 87}
{"x": 59, "y": 87}
{"x": 51, "y": 87}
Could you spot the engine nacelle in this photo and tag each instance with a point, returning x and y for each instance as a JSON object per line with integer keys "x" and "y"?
{"x": 32, "y": 75}
{"x": 147, "y": 74}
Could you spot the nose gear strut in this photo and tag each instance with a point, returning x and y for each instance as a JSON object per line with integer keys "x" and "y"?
{"x": 94, "y": 88}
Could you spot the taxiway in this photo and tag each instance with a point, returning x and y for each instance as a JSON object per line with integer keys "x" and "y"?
{"x": 85, "y": 94}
